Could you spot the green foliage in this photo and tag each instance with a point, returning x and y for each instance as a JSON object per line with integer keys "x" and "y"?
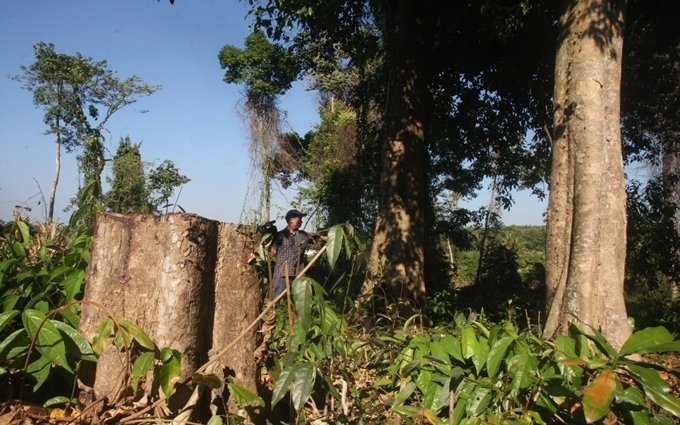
{"x": 41, "y": 281}
{"x": 79, "y": 96}
{"x": 133, "y": 190}
{"x": 156, "y": 366}
{"x": 652, "y": 254}
{"x": 267, "y": 70}
{"x": 476, "y": 372}
{"x": 161, "y": 184}
{"x": 128, "y": 193}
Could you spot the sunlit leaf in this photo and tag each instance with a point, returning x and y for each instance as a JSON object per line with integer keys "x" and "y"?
{"x": 243, "y": 396}
{"x": 302, "y": 297}
{"x": 334, "y": 244}
{"x": 85, "y": 350}
{"x": 73, "y": 284}
{"x": 57, "y": 401}
{"x": 138, "y": 334}
{"x": 497, "y": 354}
{"x": 24, "y": 231}
{"x": 468, "y": 342}
{"x": 404, "y": 394}
{"x": 656, "y": 388}
{"x": 7, "y": 317}
{"x": 49, "y": 341}
{"x": 650, "y": 340}
{"x": 283, "y": 382}
{"x": 215, "y": 420}
{"x": 598, "y": 396}
{"x": 521, "y": 367}
{"x": 13, "y": 345}
{"x": 303, "y": 384}
{"x": 480, "y": 356}
{"x": 142, "y": 365}
{"x": 102, "y": 334}
{"x": 169, "y": 371}
{"x": 479, "y": 401}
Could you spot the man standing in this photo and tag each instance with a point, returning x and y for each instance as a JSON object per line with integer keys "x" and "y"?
{"x": 289, "y": 246}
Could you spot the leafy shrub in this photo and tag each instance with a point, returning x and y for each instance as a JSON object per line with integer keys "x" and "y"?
{"x": 41, "y": 280}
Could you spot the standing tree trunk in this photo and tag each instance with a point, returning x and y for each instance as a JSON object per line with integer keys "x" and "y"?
{"x": 57, "y": 171}
{"x": 397, "y": 255}
{"x": 586, "y": 244}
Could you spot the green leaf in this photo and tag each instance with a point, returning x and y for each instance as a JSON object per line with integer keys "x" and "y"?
{"x": 39, "y": 370}
{"x": 49, "y": 341}
{"x": 215, "y": 420}
{"x": 598, "y": 396}
{"x": 7, "y": 317}
{"x": 297, "y": 379}
{"x": 334, "y": 244}
{"x": 284, "y": 381}
{"x": 243, "y": 396}
{"x": 71, "y": 315}
{"x": 656, "y": 388}
{"x": 469, "y": 342}
{"x": 57, "y": 401}
{"x": 406, "y": 411}
{"x": 302, "y": 386}
{"x": 479, "y": 359}
{"x": 479, "y": 401}
{"x": 453, "y": 347}
{"x": 59, "y": 271}
{"x": 601, "y": 342}
{"x": 302, "y": 297}
{"x": 15, "y": 344}
{"x": 168, "y": 373}
{"x": 404, "y": 394}
{"x": 497, "y": 353}
{"x": 24, "y": 231}
{"x": 650, "y": 340}
{"x": 73, "y": 285}
{"x": 521, "y": 367}
{"x": 84, "y": 348}
{"x": 138, "y": 334}
{"x": 102, "y": 334}
{"x": 142, "y": 365}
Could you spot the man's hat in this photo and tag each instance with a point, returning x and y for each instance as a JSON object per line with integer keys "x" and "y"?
{"x": 294, "y": 213}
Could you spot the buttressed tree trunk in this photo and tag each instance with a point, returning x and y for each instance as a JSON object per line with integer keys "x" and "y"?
{"x": 586, "y": 241}
{"x": 397, "y": 254}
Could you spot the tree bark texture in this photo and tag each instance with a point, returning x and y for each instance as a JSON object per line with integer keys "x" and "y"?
{"x": 398, "y": 251}
{"x": 163, "y": 273}
{"x": 586, "y": 241}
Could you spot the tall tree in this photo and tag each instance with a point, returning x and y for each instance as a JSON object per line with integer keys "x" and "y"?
{"x": 397, "y": 256}
{"x": 57, "y": 82}
{"x": 443, "y": 83}
{"x": 79, "y": 96}
{"x": 133, "y": 190}
{"x": 128, "y": 193}
{"x": 586, "y": 232}
{"x": 267, "y": 71}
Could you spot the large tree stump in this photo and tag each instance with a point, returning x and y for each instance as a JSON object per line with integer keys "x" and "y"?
{"x": 238, "y": 298}
{"x": 163, "y": 273}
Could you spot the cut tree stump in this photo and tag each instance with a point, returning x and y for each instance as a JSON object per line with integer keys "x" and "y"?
{"x": 185, "y": 281}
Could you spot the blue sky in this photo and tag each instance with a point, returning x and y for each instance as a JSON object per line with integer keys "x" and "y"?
{"x": 193, "y": 120}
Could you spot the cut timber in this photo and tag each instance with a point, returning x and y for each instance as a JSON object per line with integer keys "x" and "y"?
{"x": 163, "y": 273}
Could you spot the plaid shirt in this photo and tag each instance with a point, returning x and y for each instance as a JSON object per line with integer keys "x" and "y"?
{"x": 290, "y": 248}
